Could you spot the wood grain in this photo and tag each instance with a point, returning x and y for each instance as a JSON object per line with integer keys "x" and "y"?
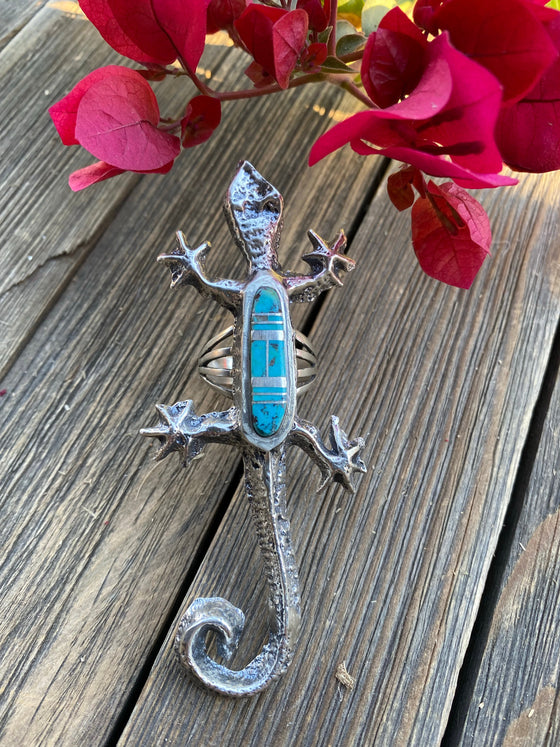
{"x": 444, "y": 383}
{"x": 46, "y": 232}
{"x": 45, "y": 236}
{"x": 100, "y": 546}
{"x": 14, "y": 14}
{"x": 516, "y": 698}
{"x": 96, "y": 541}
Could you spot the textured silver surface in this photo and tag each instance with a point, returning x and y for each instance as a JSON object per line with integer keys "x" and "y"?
{"x": 254, "y": 212}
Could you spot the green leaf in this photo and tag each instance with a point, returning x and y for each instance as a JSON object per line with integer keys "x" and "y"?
{"x": 372, "y": 13}
{"x": 555, "y": 4}
{"x": 351, "y": 7}
{"x": 333, "y": 65}
{"x": 350, "y": 44}
{"x": 344, "y": 28}
{"x": 324, "y": 36}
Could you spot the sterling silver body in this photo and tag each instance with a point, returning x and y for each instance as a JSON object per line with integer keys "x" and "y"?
{"x": 254, "y": 212}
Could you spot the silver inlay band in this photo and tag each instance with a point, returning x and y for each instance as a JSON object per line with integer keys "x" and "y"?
{"x": 267, "y": 334}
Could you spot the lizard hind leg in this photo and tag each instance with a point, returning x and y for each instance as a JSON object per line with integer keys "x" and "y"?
{"x": 265, "y": 487}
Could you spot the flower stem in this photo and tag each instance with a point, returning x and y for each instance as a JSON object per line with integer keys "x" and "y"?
{"x": 200, "y": 84}
{"x": 352, "y": 56}
{"x": 332, "y": 24}
{"x": 172, "y": 126}
{"x": 249, "y": 93}
{"x": 447, "y": 223}
{"x": 356, "y": 92}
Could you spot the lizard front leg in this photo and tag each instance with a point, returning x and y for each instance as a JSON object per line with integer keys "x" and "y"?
{"x": 326, "y": 263}
{"x": 180, "y": 429}
{"x": 337, "y": 463}
{"x": 187, "y": 268}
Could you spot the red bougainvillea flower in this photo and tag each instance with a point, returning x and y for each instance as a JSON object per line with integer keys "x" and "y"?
{"x": 258, "y": 75}
{"x": 100, "y": 14}
{"x": 450, "y": 114}
{"x": 451, "y": 234}
{"x": 201, "y": 118}
{"x": 113, "y": 113}
{"x": 528, "y": 133}
{"x": 400, "y": 183}
{"x": 313, "y": 56}
{"x": 223, "y": 13}
{"x": 65, "y": 111}
{"x": 274, "y": 37}
{"x": 394, "y": 59}
{"x": 507, "y": 37}
{"x": 317, "y": 12}
{"x": 151, "y": 31}
{"x": 423, "y": 14}
{"x": 99, "y": 171}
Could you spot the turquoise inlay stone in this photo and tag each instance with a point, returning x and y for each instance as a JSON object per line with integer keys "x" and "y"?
{"x": 266, "y": 301}
{"x": 259, "y": 355}
{"x": 267, "y": 419}
{"x": 267, "y": 363}
{"x": 277, "y": 359}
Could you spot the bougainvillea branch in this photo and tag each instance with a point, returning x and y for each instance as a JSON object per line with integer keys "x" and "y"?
{"x": 454, "y": 90}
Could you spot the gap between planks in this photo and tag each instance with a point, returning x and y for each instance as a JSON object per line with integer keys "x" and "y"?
{"x": 235, "y": 483}
{"x": 471, "y": 666}
{"x": 54, "y": 225}
{"x": 331, "y": 199}
{"x": 14, "y": 17}
{"x": 406, "y": 651}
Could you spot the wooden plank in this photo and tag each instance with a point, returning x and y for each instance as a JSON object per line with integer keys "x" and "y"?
{"x": 14, "y": 14}
{"x": 444, "y": 382}
{"x": 45, "y": 232}
{"x": 45, "y": 235}
{"x": 96, "y": 540}
{"x": 515, "y": 699}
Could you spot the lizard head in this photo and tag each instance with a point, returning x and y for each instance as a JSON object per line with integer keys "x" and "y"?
{"x": 253, "y": 209}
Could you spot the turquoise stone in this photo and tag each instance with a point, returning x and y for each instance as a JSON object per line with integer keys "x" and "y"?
{"x": 268, "y": 363}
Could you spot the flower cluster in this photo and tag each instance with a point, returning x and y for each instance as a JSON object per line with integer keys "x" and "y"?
{"x": 456, "y": 90}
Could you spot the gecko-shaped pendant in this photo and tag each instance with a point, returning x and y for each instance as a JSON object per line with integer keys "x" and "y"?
{"x": 261, "y": 363}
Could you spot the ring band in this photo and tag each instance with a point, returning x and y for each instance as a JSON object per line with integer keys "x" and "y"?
{"x": 215, "y": 363}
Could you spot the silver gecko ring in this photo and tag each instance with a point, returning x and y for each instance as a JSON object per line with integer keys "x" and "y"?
{"x": 262, "y": 364}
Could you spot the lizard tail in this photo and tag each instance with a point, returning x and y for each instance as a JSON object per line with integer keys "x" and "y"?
{"x": 264, "y": 483}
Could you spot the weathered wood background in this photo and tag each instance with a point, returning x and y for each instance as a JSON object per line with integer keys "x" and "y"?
{"x": 436, "y": 585}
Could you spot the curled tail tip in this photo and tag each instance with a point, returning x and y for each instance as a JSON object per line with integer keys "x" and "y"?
{"x": 227, "y": 622}
{"x": 209, "y": 613}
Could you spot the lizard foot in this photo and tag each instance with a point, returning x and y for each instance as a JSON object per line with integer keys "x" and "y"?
{"x": 343, "y": 459}
{"x": 173, "y": 431}
{"x": 186, "y": 264}
{"x": 327, "y": 260}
